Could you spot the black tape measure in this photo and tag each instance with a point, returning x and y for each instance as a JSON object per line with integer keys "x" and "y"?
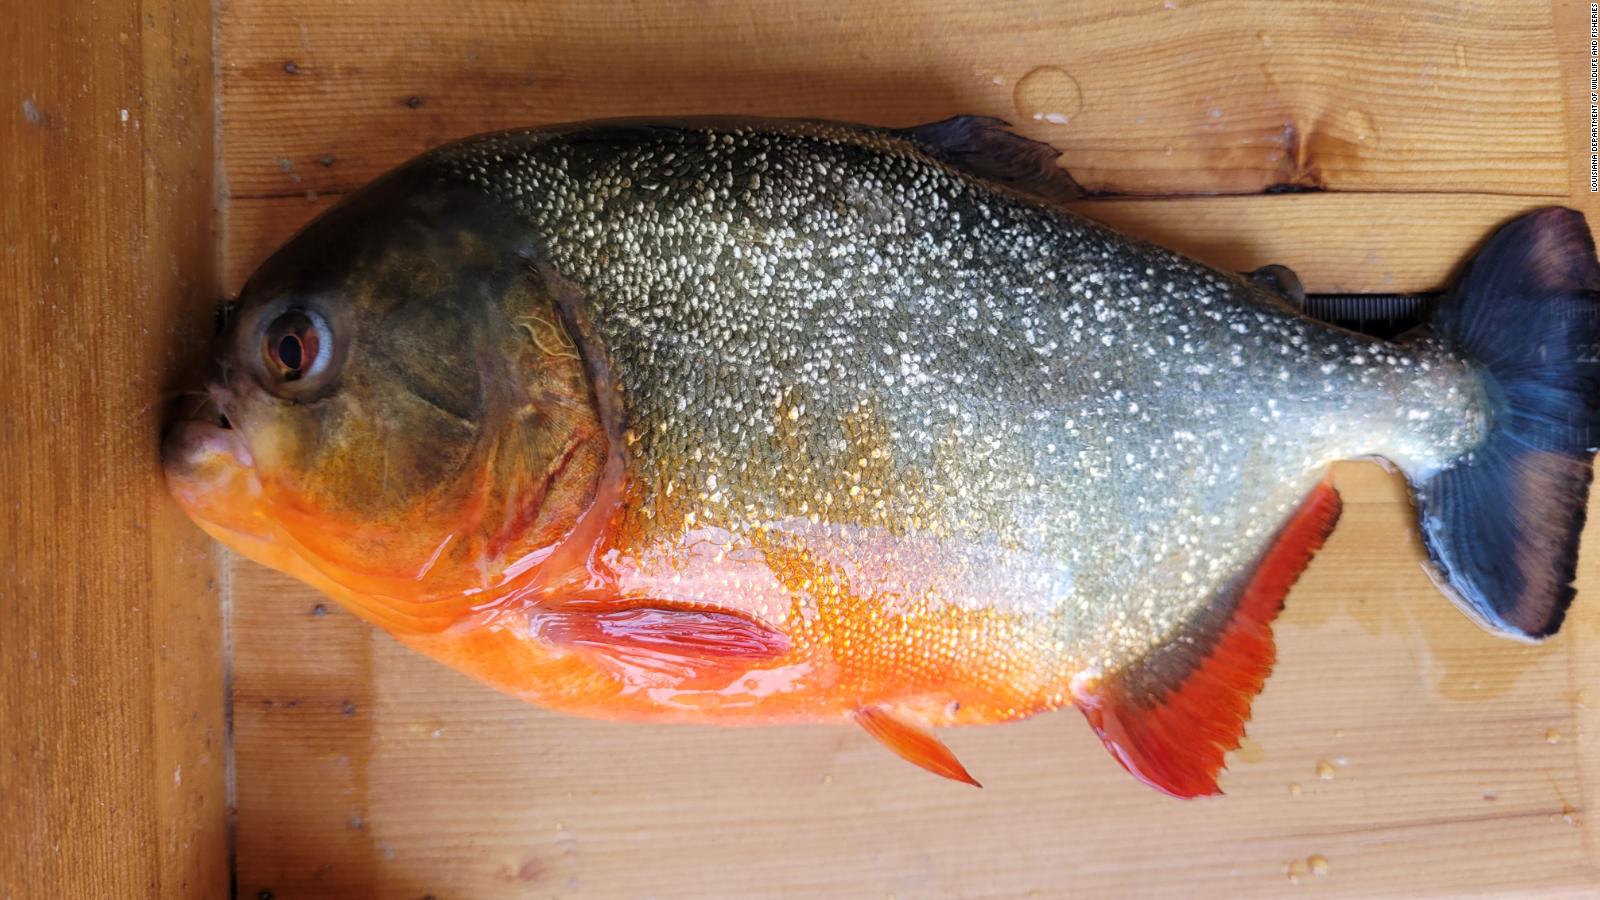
{"x": 1384, "y": 316}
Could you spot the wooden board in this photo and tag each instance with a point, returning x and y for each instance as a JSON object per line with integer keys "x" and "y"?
{"x": 112, "y": 744}
{"x": 1396, "y": 742}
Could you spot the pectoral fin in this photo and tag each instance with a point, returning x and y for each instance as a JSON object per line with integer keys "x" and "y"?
{"x": 913, "y": 743}
{"x": 683, "y": 643}
{"x": 1171, "y": 717}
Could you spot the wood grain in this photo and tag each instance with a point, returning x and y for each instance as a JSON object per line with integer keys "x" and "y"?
{"x": 1457, "y": 763}
{"x": 1160, "y": 97}
{"x": 112, "y": 750}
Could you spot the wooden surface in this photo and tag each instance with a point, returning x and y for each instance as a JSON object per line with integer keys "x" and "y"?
{"x": 1397, "y": 749}
{"x": 112, "y": 744}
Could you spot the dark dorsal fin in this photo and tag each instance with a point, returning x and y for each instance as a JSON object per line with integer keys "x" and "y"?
{"x": 986, "y": 148}
{"x": 1282, "y": 281}
{"x": 1171, "y": 717}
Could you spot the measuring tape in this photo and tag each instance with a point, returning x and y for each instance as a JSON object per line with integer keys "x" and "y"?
{"x": 1384, "y": 316}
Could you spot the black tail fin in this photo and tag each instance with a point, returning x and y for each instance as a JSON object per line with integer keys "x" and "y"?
{"x": 1501, "y": 524}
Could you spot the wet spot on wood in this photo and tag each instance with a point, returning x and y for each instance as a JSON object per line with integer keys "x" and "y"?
{"x": 34, "y": 114}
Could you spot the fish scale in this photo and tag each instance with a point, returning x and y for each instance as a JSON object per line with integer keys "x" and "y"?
{"x": 752, "y": 421}
{"x": 1107, "y": 429}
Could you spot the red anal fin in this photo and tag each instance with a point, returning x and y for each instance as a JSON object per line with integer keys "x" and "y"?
{"x": 1171, "y": 717}
{"x": 913, "y": 743}
{"x": 672, "y": 641}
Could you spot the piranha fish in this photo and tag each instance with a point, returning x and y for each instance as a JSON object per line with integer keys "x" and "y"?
{"x": 761, "y": 421}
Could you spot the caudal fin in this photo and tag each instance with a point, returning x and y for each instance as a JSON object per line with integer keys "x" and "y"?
{"x": 1501, "y": 523}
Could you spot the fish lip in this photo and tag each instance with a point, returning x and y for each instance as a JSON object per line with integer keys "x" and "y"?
{"x": 191, "y": 441}
{"x": 188, "y": 442}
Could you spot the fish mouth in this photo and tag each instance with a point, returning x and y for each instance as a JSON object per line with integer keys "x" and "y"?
{"x": 209, "y": 469}
{"x": 206, "y": 437}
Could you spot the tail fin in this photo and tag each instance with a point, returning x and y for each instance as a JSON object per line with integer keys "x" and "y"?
{"x": 1501, "y": 523}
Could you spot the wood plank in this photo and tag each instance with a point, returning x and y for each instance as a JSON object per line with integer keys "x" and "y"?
{"x": 112, "y": 745}
{"x": 1459, "y": 763}
{"x": 1583, "y": 661}
{"x": 1335, "y": 241}
{"x": 1166, "y": 97}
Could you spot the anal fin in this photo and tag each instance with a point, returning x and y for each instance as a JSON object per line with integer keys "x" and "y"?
{"x": 1171, "y": 717}
{"x": 913, "y": 743}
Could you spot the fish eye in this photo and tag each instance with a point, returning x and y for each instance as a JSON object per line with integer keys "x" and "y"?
{"x": 296, "y": 345}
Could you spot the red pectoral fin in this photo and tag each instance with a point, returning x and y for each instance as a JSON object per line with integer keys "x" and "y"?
{"x": 679, "y": 642}
{"x": 913, "y": 743}
{"x": 1171, "y": 717}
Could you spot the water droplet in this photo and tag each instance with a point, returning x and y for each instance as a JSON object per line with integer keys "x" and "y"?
{"x": 1048, "y": 94}
{"x": 1552, "y": 736}
{"x": 1318, "y": 864}
{"x": 1324, "y": 770}
{"x": 1361, "y": 127}
{"x": 1264, "y": 38}
{"x": 991, "y": 77}
{"x": 1491, "y": 795}
{"x": 1568, "y": 814}
{"x": 1296, "y": 871}
{"x": 1294, "y": 789}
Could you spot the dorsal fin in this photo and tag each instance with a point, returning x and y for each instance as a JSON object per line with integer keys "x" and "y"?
{"x": 986, "y": 147}
{"x": 1282, "y": 281}
{"x": 1171, "y": 717}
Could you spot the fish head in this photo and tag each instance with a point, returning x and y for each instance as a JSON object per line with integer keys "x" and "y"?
{"x": 404, "y": 418}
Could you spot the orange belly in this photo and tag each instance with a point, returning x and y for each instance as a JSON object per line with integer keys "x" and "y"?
{"x": 940, "y": 664}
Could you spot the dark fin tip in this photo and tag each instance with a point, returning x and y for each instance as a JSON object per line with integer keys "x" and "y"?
{"x": 1502, "y": 530}
{"x": 986, "y": 147}
{"x": 1172, "y": 717}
